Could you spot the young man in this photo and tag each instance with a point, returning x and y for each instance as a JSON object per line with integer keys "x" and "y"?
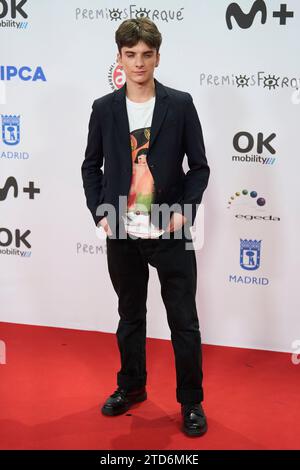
{"x": 141, "y": 132}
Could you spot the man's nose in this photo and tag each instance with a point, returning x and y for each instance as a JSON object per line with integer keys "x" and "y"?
{"x": 139, "y": 62}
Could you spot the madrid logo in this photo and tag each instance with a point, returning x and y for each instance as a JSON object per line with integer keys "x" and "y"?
{"x": 10, "y": 129}
{"x": 250, "y": 254}
{"x": 250, "y": 260}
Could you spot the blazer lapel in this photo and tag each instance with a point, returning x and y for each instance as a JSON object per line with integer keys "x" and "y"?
{"x": 121, "y": 117}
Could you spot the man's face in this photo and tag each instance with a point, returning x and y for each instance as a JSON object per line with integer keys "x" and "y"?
{"x": 139, "y": 58}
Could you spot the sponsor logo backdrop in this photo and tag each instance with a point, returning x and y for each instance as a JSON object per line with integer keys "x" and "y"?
{"x": 240, "y": 62}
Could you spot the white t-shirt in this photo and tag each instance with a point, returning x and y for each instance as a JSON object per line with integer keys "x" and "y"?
{"x": 142, "y": 190}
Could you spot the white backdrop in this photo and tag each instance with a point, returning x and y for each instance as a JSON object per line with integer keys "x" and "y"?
{"x": 243, "y": 80}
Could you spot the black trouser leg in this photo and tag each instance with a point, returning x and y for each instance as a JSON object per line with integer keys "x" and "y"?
{"x": 129, "y": 275}
{"x": 177, "y": 271}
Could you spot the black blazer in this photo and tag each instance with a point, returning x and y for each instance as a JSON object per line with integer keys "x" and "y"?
{"x": 175, "y": 131}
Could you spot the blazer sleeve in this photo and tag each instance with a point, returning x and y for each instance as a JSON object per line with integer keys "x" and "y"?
{"x": 196, "y": 179}
{"x": 91, "y": 169}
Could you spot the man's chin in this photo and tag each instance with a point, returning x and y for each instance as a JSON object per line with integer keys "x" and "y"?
{"x": 140, "y": 79}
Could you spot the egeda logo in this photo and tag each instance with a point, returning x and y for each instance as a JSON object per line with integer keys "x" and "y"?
{"x": 250, "y": 257}
{"x": 249, "y": 205}
{"x": 10, "y": 129}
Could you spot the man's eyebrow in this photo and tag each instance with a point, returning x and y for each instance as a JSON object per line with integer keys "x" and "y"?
{"x": 145, "y": 52}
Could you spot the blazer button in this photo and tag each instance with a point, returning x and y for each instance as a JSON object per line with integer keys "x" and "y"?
{"x": 152, "y": 165}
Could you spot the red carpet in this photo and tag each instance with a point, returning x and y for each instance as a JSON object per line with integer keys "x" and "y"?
{"x": 55, "y": 379}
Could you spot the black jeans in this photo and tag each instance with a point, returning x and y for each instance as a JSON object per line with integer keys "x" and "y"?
{"x": 177, "y": 270}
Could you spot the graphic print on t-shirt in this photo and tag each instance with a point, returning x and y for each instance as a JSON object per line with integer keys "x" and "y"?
{"x": 141, "y": 191}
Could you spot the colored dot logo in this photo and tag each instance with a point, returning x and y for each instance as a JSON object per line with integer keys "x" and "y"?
{"x": 240, "y": 195}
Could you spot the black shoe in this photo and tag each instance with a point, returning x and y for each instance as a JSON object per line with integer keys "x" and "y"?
{"x": 194, "y": 419}
{"x": 121, "y": 400}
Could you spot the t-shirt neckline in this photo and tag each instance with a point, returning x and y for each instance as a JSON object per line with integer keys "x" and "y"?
{"x": 140, "y": 105}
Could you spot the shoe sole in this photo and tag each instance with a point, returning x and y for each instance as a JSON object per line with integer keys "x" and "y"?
{"x": 194, "y": 432}
{"x": 111, "y": 412}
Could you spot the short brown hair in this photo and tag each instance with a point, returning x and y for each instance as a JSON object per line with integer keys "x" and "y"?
{"x": 131, "y": 31}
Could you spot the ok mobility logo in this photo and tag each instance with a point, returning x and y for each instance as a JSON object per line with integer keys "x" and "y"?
{"x": 245, "y": 20}
{"x": 250, "y": 148}
{"x": 14, "y": 242}
{"x": 13, "y": 14}
{"x": 11, "y": 242}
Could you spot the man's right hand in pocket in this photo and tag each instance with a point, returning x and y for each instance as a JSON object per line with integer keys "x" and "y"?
{"x": 104, "y": 224}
